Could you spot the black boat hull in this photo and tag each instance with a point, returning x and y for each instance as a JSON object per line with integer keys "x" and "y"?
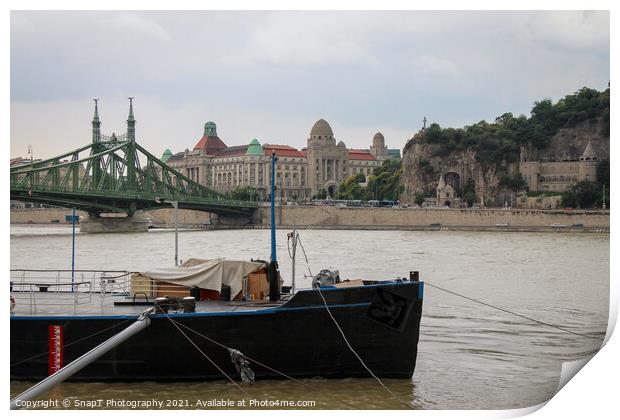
{"x": 299, "y": 338}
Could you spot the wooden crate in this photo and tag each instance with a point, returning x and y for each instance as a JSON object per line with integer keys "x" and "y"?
{"x": 258, "y": 285}
{"x": 168, "y": 289}
{"x": 141, "y": 284}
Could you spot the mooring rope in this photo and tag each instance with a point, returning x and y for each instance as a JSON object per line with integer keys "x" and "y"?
{"x": 513, "y": 313}
{"x": 305, "y": 256}
{"x": 207, "y": 357}
{"x": 485, "y": 304}
{"x": 247, "y": 357}
{"x": 406, "y": 404}
{"x": 73, "y": 342}
{"x": 255, "y": 361}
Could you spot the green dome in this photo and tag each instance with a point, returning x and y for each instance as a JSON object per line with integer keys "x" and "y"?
{"x": 210, "y": 129}
{"x": 254, "y": 148}
{"x": 166, "y": 155}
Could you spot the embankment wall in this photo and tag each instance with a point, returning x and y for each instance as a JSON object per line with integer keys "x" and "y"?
{"x": 329, "y": 217}
{"x": 363, "y": 217}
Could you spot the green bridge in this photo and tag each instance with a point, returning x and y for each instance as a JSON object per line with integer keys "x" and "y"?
{"x": 116, "y": 175}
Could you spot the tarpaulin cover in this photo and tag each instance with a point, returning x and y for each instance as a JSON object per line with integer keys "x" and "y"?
{"x": 207, "y": 274}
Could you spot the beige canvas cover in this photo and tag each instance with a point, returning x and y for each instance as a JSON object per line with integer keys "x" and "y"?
{"x": 207, "y": 274}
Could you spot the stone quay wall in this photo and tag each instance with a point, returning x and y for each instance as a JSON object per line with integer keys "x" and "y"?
{"x": 163, "y": 217}
{"x": 42, "y": 216}
{"x": 470, "y": 219}
{"x": 329, "y": 217}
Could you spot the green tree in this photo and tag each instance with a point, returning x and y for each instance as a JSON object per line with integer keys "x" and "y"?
{"x": 384, "y": 184}
{"x": 351, "y": 189}
{"x": 469, "y": 194}
{"x": 419, "y": 198}
{"x": 514, "y": 183}
{"x": 243, "y": 193}
{"x": 499, "y": 142}
{"x": 321, "y": 194}
{"x": 602, "y": 173}
{"x": 584, "y": 194}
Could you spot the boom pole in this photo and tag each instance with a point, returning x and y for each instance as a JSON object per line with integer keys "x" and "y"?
{"x": 81, "y": 362}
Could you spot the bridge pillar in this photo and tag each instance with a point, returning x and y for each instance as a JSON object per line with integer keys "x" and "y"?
{"x": 234, "y": 222}
{"x": 110, "y": 223}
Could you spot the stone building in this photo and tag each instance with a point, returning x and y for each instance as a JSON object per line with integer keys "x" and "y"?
{"x": 445, "y": 193}
{"x": 557, "y": 173}
{"x": 300, "y": 174}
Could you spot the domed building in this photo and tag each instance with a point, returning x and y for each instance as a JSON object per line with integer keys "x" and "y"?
{"x": 321, "y": 129}
{"x": 300, "y": 174}
{"x": 327, "y": 161}
{"x": 166, "y": 155}
{"x": 378, "y": 149}
{"x": 210, "y": 143}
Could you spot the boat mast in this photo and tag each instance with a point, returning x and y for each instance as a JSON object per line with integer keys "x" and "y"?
{"x": 273, "y": 274}
{"x": 273, "y": 207}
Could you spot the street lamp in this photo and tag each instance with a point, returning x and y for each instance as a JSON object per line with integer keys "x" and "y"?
{"x": 31, "y": 168}
{"x": 175, "y": 204}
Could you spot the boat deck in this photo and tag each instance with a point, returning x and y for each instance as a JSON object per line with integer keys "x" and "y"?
{"x": 70, "y": 304}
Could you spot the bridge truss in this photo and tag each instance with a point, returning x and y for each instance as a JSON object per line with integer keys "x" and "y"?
{"x": 116, "y": 176}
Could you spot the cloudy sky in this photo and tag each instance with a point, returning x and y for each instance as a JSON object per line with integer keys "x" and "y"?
{"x": 270, "y": 75}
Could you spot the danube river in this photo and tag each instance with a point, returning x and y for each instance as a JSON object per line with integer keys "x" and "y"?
{"x": 470, "y": 356}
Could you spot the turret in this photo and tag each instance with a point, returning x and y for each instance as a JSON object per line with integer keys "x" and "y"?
{"x": 378, "y": 149}
{"x": 96, "y": 124}
{"x": 588, "y": 153}
{"x": 378, "y": 141}
{"x": 588, "y": 163}
{"x": 131, "y": 122}
{"x": 442, "y": 183}
{"x": 210, "y": 129}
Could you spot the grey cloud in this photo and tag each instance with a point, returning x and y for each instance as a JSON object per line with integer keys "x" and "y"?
{"x": 272, "y": 74}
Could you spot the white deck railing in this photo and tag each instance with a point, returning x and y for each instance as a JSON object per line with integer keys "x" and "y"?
{"x": 37, "y": 290}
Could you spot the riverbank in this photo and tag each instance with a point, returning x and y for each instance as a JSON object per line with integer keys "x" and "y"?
{"x": 512, "y": 220}
{"x": 351, "y": 218}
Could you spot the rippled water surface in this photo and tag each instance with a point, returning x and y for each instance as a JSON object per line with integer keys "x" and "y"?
{"x": 470, "y": 356}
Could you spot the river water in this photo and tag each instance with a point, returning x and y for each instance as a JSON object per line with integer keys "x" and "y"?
{"x": 470, "y": 356}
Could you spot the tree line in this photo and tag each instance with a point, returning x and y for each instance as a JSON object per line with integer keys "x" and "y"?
{"x": 500, "y": 141}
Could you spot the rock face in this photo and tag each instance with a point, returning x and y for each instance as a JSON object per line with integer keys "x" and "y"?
{"x": 422, "y": 166}
{"x": 569, "y": 143}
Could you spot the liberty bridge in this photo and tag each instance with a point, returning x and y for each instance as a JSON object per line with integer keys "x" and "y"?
{"x": 113, "y": 177}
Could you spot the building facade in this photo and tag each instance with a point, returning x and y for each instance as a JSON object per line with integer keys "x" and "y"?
{"x": 557, "y": 174}
{"x": 300, "y": 174}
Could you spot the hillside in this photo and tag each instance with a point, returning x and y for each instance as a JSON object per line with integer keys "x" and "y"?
{"x": 485, "y": 155}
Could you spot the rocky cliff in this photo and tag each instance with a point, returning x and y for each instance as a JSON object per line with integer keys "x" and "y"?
{"x": 422, "y": 168}
{"x": 423, "y": 165}
{"x": 569, "y": 143}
